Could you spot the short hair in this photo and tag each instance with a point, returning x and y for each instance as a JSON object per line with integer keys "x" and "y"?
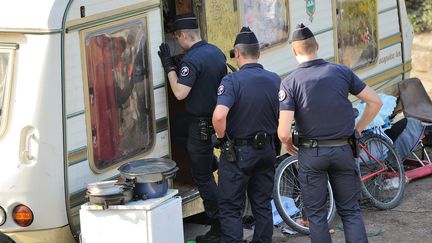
{"x": 249, "y": 50}
{"x": 305, "y": 47}
{"x": 193, "y": 34}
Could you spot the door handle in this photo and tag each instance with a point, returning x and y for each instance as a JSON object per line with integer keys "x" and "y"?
{"x": 29, "y": 144}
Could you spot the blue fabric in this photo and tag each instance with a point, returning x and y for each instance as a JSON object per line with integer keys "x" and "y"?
{"x": 251, "y": 94}
{"x": 317, "y": 91}
{"x": 409, "y": 138}
{"x": 202, "y": 69}
{"x": 289, "y": 206}
{"x": 382, "y": 118}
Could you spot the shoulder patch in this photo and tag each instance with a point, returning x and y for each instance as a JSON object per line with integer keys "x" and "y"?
{"x": 184, "y": 71}
{"x": 221, "y": 89}
{"x": 282, "y": 95}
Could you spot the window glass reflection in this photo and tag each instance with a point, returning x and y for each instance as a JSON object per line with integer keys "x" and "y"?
{"x": 357, "y": 32}
{"x": 268, "y": 19}
{"x": 120, "y": 92}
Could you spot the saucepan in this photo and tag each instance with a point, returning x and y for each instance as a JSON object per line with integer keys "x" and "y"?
{"x": 149, "y": 175}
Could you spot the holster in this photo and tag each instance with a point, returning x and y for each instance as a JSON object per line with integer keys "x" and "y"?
{"x": 228, "y": 150}
{"x": 295, "y": 138}
{"x": 260, "y": 139}
{"x": 354, "y": 143}
{"x": 205, "y": 129}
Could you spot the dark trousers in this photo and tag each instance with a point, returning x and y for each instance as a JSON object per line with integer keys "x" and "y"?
{"x": 203, "y": 164}
{"x": 252, "y": 172}
{"x": 336, "y": 164}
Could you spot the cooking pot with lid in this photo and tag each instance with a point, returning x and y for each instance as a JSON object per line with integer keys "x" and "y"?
{"x": 149, "y": 175}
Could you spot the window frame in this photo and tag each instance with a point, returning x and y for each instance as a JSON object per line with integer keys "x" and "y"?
{"x": 83, "y": 33}
{"x": 7, "y": 92}
{"x": 365, "y": 66}
{"x": 277, "y": 44}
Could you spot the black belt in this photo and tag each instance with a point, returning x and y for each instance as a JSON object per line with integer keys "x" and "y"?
{"x": 249, "y": 141}
{"x": 314, "y": 143}
{"x": 200, "y": 118}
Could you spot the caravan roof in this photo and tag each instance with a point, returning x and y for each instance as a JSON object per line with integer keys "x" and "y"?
{"x": 40, "y": 15}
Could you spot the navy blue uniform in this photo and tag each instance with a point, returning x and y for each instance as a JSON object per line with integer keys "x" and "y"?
{"x": 318, "y": 94}
{"x": 251, "y": 95}
{"x": 202, "y": 69}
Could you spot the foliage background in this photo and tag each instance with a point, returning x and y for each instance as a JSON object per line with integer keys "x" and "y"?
{"x": 420, "y": 14}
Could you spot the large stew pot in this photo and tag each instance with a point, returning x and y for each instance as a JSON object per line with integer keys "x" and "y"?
{"x": 149, "y": 175}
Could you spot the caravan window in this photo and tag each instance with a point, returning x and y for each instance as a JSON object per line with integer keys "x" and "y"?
{"x": 6, "y": 56}
{"x": 120, "y": 92}
{"x": 357, "y": 23}
{"x": 267, "y": 18}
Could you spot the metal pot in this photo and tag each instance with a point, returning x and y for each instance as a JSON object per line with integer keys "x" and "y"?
{"x": 151, "y": 189}
{"x": 150, "y": 176}
{"x": 148, "y": 170}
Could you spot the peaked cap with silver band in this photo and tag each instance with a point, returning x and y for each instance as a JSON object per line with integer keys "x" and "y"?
{"x": 185, "y": 22}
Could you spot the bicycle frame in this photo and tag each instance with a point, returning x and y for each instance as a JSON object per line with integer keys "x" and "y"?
{"x": 383, "y": 166}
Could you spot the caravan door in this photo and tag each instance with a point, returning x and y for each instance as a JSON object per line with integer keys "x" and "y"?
{"x": 116, "y": 109}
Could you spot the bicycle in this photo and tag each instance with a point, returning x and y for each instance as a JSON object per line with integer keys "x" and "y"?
{"x": 287, "y": 191}
{"x": 381, "y": 174}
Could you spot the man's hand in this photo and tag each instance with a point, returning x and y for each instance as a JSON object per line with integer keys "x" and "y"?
{"x": 217, "y": 142}
{"x": 166, "y": 59}
{"x": 289, "y": 146}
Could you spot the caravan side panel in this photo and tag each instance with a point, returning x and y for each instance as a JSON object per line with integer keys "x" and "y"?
{"x": 80, "y": 171}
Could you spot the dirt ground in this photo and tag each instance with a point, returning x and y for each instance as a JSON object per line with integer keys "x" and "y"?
{"x": 422, "y": 60}
{"x": 411, "y": 221}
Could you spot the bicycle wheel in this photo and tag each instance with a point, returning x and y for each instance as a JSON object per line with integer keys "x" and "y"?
{"x": 381, "y": 172}
{"x": 287, "y": 196}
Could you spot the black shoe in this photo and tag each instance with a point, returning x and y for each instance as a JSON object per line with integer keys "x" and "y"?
{"x": 212, "y": 236}
{"x": 208, "y": 238}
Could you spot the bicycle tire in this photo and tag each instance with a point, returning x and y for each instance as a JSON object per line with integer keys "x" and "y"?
{"x": 286, "y": 170}
{"x": 384, "y": 190}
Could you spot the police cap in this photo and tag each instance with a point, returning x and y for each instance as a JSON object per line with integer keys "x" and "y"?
{"x": 246, "y": 36}
{"x": 185, "y": 22}
{"x": 301, "y": 33}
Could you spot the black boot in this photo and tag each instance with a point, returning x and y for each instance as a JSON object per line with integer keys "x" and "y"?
{"x": 212, "y": 236}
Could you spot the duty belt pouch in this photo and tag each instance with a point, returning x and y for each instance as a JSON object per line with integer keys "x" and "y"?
{"x": 354, "y": 142}
{"x": 204, "y": 130}
{"x": 259, "y": 140}
{"x": 295, "y": 138}
{"x": 228, "y": 150}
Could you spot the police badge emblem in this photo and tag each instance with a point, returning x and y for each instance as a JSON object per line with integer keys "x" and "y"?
{"x": 282, "y": 95}
{"x": 221, "y": 89}
{"x": 310, "y": 8}
{"x": 184, "y": 71}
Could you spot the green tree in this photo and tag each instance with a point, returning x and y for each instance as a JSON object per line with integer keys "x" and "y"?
{"x": 420, "y": 14}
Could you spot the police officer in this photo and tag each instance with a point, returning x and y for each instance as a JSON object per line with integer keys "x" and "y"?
{"x": 315, "y": 95}
{"x": 199, "y": 75}
{"x": 245, "y": 121}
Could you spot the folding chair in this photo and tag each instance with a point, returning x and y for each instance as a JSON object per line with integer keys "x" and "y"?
{"x": 417, "y": 104}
